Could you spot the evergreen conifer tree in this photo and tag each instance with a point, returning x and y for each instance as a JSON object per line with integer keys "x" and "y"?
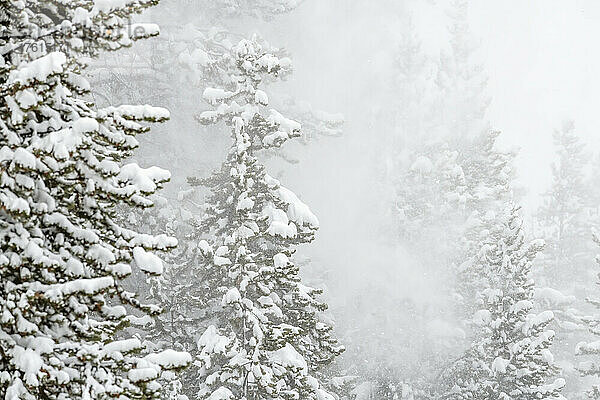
{"x": 263, "y": 336}
{"x": 63, "y": 255}
{"x": 510, "y": 357}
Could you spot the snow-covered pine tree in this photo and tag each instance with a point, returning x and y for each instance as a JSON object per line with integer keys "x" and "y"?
{"x": 489, "y": 173}
{"x": 175, "y": 290}
{"x": 461, "y": 140}
{"x": 463, "y": 101}
{"x": 63, "y": 256}
{"x": 592, "y": 197}
{"x": 449, "y": 189}
{"x": 488, "y": 170}
{"x": 489, "y": 179}
{"x": 430, "y": 193}
{"x": 462, "y": 164}
{"x": 406, "y": 116}
{"x": 263, "y": 339}
{"x": 590, "y": 351}
{"x": 447, "y": 184}
{"x": 408, "y": 127}
{"x": 484, "y": 173}
{"x": 562, "y": 218}
{"x": 462, "y": 170}
{"x": 480, "y": 175}
{"x": 412, "y": 90}
{"x": 511, "y": 357}
{"x": 459, "y": 192}
{"x": 564, "y": 268}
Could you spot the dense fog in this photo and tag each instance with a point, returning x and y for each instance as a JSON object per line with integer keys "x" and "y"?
{"x": 364, "y": 199}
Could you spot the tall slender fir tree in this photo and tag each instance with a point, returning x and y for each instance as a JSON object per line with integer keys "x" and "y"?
{"x": 264, "y": 339}
{"x": 510, "y": 357}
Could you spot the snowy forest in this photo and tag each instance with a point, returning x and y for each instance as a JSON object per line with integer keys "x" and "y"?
{"x": 299, "y": 200}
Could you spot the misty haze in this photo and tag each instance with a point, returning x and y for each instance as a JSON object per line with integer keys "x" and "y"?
{"x": 299, "y": 200}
